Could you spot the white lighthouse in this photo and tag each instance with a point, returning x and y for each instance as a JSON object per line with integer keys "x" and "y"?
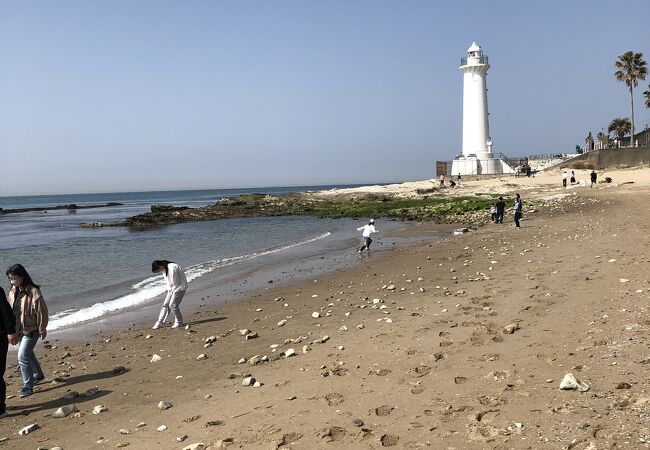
{"x": 476, "y": 157}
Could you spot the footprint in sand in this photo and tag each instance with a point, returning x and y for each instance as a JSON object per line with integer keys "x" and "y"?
{"x": 334, "y": 434}
{"x": 384, "y": 410}
{"x": 389, "y": 440}
{"x": 334, "y": 399}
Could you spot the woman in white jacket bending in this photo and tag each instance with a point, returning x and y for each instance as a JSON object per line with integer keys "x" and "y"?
{"x": 176, "y": 287}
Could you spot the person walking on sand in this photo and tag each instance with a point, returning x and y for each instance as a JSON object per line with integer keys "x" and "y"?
{"x": 176, "y": 287}
{"x": 573, "y": 177}
{"x": 367, "y": 231}
{"x": 7, "y": 336}
{"x": 442, "y": 180}
{"x": 564, "y": 177}
{"x": 594, "y": 177}
{"x": 31, "y": 316}
{"x": 501, "y": 208}
{"x": 518, "y": 208}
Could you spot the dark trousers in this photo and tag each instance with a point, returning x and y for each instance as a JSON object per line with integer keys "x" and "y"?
{"x": 517, "y": 219}
{"x": 366, "y": 243}
{"x": 499, "y": 216}
{"x": 4, "y": 347}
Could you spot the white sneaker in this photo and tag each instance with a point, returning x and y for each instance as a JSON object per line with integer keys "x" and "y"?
{"x": 157, "y": 325}
{"x": 178, "y": 325}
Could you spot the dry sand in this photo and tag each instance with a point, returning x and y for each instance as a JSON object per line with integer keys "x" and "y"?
{"x": 426, "y": 364}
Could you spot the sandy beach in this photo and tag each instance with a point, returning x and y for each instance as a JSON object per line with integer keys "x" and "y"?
{"x": 455, "y": 344}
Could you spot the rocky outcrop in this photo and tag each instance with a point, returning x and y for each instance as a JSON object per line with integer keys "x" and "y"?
{"x": 69, "y": 207}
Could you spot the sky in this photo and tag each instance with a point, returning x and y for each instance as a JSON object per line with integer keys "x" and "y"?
{"x": 157, "y": 95}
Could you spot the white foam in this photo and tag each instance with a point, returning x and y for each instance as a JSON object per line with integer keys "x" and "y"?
{"x": 154, "y": 286}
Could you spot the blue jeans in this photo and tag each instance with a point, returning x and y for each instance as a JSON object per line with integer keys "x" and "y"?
{"x": 29, "y": 366}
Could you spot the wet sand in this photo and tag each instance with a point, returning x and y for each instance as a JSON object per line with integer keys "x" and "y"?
{"x": 454, "y": 344}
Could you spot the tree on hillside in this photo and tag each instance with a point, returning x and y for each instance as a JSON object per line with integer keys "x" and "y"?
{"x": 646, "y": 95}
{"x": 631, "y": 68}
{"x": 620, "y": 126}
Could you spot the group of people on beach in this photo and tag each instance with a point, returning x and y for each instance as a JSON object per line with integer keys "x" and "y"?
{"x": 24, "y": 318}
{"x": 593, "y": 178}
{"x": 498, "y": 210}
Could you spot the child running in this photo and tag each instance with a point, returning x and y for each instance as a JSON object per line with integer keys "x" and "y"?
{"x": 367, "y": 231}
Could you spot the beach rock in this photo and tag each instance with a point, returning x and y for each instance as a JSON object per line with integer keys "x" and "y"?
{"x": 258, "y": 384}
{"x": 210, "y": 339}
{"x": 119, "y": 370}
{"x": 70, "y": 394}
{"x": 510, "y": 329}
{"x": 252, "y": 335}
{"x": 244, "y": 332}
{"x": 181, "y": 438}
{"x": 90, "y": 392}
{"x": 161, "y": 428}
{"x": 99, "y": 409}
{"x": 124, "y": 431}
{"x": 202, "y": 356}
{"x": 225, "y": 442}
{"x": 315, "y": 315}
{"x": 164, "y": 405}
{"x": 570, "y": 382}
{"x": 289, "y": 352}
{"x": 141, "y": 425}
{"x": 254, "y": 360}
{"x": 156, "y": 358}
{"x": 28, "y": 429}
{"x": 241, "y": 361}
{"x": 65, "y": 411}
{"x": 248, "y": 381}
{"x": 282, "y": 323}
{"x": 390, "y": 287}
{"x": 195, "y": 446}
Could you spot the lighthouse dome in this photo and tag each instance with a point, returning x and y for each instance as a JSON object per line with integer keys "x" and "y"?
{"x": 474, "y": 48}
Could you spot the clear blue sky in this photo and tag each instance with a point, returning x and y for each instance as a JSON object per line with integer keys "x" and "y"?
{"x": 148, "y": 95}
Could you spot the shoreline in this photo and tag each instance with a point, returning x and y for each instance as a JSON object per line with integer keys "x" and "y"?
{"x": 443, "y": 372}
{"x": 232, "y": 287}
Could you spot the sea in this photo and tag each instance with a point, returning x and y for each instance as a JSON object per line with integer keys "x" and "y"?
{"x": 89, "y": 275}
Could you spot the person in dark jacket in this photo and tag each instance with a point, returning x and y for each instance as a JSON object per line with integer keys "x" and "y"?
{"x": 7, "y": 336}
{"x": 29, "y": 308}
{"x": 501, "y": 207}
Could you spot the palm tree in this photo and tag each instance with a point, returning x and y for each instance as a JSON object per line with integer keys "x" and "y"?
{"x": 646, "y": 95}
{"x": 621, "y": 126}
{"x": 631, "y": 68}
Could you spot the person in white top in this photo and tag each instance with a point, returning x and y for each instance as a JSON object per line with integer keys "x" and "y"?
{"x": 176, "y": 287}
{"x": 367, "y": 231}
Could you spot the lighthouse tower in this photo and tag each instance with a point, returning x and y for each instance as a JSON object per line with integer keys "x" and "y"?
{"x": 476, "y": 157}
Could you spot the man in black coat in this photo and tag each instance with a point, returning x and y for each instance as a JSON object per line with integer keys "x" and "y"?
{"x": 7, "y": 336}
{"x": 501, "y": 207}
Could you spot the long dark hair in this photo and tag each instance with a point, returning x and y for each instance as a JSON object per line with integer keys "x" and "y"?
{"x": 17, "y": 270}
{"x": 157, "y": 264}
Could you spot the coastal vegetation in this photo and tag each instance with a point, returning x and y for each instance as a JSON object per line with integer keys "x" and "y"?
{"x": 440, "y": 209}
{"x": 631, "y": 68}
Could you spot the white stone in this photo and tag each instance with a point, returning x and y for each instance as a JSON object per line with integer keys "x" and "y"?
{"x": 161, "y": 428}
{"x": 241, "y": 361}
{"x": 315, "y": 315}
{"x": 289, "y": 352}
{"x": 99, "y": 409}
{"x": 248, "y": 381}
{"x": 28, "y": 429}
{"x": 156, "y": 358}
{"x": 202, "y": 356}
{"x": 65, "y": 411}
{"x": 195, "y": 446}
{"x": 282, "y": 323}
{"x": 244, "y": 331}
{"x": 164, "y": 405}
{"x": 570, "y": 382}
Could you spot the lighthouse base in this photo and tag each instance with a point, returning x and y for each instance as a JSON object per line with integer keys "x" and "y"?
{"x": 482, "y": 164}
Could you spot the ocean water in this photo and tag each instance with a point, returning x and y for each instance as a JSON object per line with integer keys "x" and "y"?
{"x": 89, "y": 274}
